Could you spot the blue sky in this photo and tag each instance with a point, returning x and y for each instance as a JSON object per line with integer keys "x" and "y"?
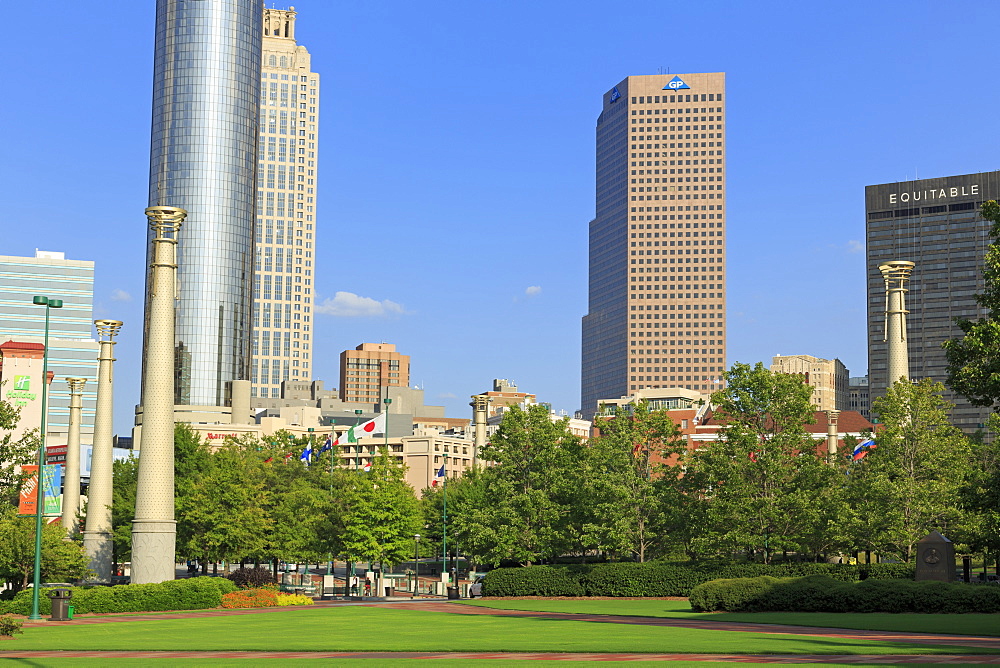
{"x": 457, "y": 160}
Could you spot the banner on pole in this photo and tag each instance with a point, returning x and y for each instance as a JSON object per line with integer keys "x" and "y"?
{"x": 51, "y": 487}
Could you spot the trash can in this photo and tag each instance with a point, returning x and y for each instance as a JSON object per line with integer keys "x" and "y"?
{"x": 300, "y": 592}
{"x": 60, "y": 604}
{"x": 453, "y": 594}
{"x": 390, "y": 591}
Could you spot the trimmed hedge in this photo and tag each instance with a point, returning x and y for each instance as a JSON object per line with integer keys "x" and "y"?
{"x": 818, "y": 593}
{"x": 190, "y": 594}
{"x": 657, "y": 578}
{"x": 532, "y": 581}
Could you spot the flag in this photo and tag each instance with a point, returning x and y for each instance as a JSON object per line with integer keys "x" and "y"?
{"x": 367, "y": 467}
{"x": 269, "y": 460}
{"x": 328, "y": 445}
{"x": 861, "y": 449}
{"x": 370, "y": 428}
{"x": 288, "y": 456}
{"x": 438, "y": 477}
{"x": 306, "y": 454}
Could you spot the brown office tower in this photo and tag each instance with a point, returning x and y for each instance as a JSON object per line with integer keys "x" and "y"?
{"x": 934, "y": 223}
{"x": 370, "y": 369}
{"x": 656, "y": 312}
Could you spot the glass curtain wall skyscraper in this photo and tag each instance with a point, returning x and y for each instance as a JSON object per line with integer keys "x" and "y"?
{"x": 206, "y": 96}
{"x": 656, "y": 310}
{"x": 286, "y": 210}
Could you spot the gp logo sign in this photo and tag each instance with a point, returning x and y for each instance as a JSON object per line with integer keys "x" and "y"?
{"x": 676, "y": 84}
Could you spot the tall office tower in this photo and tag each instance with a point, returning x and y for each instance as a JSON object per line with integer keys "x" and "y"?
{"x": 657, "y": 270}
{"x": 203, "y": 155}
{"x": 286, "y": 210}
{"x": 934, "y": 223}
{"x": 72, "y": 348}
{"x": 370, "y": 369}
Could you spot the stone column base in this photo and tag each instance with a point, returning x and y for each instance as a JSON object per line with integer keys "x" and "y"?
{"x": 97, "y": 546}
{"x": 153, "y": 545}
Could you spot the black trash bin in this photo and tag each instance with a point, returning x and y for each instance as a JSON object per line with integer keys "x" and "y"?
{"x": 390, "y": 591}
{"x": 453, "y": 594}
{"x": 60, "y": 604}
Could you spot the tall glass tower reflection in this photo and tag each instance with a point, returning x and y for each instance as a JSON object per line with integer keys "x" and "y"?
{"x": 206, "y": 96}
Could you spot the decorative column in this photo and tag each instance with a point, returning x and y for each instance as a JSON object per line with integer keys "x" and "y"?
{"x": 154, "y": 530}
{"x": 832, "y": 435}
{"x": 71, "y": 481}
{"x": 480, "y": 404}
{"x": 97, "y": 541}
{"x": 896, "y": 275}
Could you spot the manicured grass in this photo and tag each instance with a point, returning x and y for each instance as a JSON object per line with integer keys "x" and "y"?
{"x": 971, "y": 624}
{"x": 354, "y": 628}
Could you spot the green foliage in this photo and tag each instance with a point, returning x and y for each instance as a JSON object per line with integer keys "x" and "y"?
{"x": 381, "y": 513}
{"x": 767, "y": 490}
{"x": 191, "y": 594}
{"x": 10, "y": 626}
{"x": 247, "y": 578}
{"x": 974, "y": 358}
{"x": 62, "y": 560}
{"x": 531, "y": 581}
{"x": 126, "y": 474}
{"x": 915, "y": 476}
{"x": 525, "y": 497}
{"x": 657, "y": 578}
{"x": 817, "y": 593}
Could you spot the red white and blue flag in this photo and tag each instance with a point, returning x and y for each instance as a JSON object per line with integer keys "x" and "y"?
{"x": 862, "y": 448}
{"x": 438, "y": 477}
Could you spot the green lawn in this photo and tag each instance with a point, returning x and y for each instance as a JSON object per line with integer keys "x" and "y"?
{"x": 353, "y": 628}
{"x": 370, "y": 663}
{"x": 972, "y": 624}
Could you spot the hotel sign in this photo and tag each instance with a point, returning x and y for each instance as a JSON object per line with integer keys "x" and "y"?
{"x": 934, "y": 194}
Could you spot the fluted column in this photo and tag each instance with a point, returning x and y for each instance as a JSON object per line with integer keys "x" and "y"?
{"x": 480, "y": 404}
{"x": 896, "y": 275}
{"x": 154, "y": 530}
{"x": 832, "y": 434}
{"x": 71, "y": 480}
{"x": 97, "y": 541}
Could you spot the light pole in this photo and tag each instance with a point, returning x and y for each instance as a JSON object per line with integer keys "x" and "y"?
{"x": 71, "y": 481}
{"x": 416, "y": 563}
{"x": 49, "y": 304}
{"x": 97, "y": 530}
{"x": 385, "y": 409}
{"x": 357, "y": 448}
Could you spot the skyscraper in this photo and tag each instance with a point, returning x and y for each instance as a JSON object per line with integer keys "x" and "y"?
{"x": 286, "y": 210}
{"x": 370, "y": 370}
{"x": 657, "y": 272}
{"x": 206, "y": 96}
{"x": 934, "y": 223}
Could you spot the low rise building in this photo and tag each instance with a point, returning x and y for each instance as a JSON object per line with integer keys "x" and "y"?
{"x": 858, "y": 397}
{"x": 828, "y": 378}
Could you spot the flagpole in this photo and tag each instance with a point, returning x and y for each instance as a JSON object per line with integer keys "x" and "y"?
{"x": 444, "y": 535}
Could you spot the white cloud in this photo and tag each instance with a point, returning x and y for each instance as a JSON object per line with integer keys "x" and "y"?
{"x": 120, "y": 295}
{"x": 350, "y": 305}
{"x": 855, "y": 246}
{"x": 533, "y": 290}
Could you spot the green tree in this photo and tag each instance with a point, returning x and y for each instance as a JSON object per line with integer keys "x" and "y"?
{"x": 522, "y": 499}
{"x": 974, "y": 358}
{"x": 14, "y": 453}
{"x": 763, "y": 477}
{"x": 981, "y": 493}
{"x": 911, "y": 483}
{"x": 628, "y": 514}
{"x": 62, "y": 559}
{"x": 381, "y": 513}
{"x": 126, "y": 476}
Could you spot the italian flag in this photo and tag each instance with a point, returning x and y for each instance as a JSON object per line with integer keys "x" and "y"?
{"x": 370, "y": 428}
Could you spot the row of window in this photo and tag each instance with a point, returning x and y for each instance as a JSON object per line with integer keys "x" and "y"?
{"x": 705, "y": 97}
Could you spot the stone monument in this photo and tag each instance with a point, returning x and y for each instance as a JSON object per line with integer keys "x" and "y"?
{"x": 935, "y": 558}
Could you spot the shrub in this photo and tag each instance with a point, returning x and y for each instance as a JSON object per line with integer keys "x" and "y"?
{"x": 645, "y": 579}
{"x": 191, "y": 594}
{"x": 531, "y": 581}
{"x": 824, "y": 594}
{"x": 249, "y": 578}
{"x": 294, "y": 599}
{"x": 250, "y": 598}
{"x": 10, "y": 626}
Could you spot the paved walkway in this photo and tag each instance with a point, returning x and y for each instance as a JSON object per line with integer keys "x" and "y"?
{"x": 456, "y": 608}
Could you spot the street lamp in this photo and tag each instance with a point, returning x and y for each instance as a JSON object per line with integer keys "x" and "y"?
{"x": 49, "y": 304}
{"x": 416, "y": 563}
{"x": 385, "y": 409}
